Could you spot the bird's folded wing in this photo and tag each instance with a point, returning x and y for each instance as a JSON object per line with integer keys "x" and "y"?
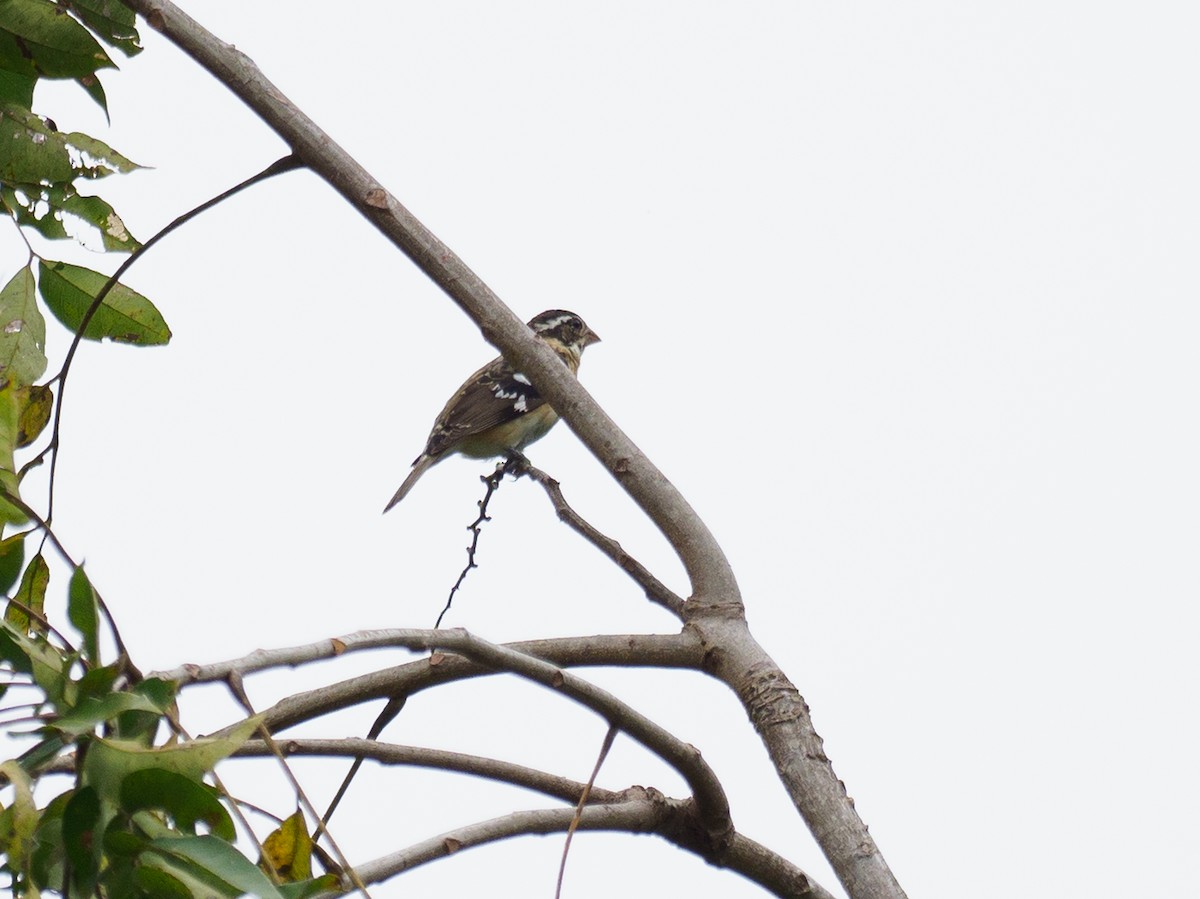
{"x": 492, "y": 396}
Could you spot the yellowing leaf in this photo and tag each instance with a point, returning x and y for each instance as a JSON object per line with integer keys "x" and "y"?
{"x": 10, "y": 405}
{"x": 287, "y": 851}
{"x": 35, "y": 413}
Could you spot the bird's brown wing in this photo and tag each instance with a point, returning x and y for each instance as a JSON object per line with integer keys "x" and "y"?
{"x": 490, "y": 397}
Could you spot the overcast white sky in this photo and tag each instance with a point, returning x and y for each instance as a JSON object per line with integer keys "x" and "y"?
{"x": 903, "y": 296}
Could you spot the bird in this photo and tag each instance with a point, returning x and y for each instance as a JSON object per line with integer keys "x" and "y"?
{"x": 497, "y": 411}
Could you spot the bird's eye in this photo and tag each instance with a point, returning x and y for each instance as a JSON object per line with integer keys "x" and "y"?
{"x": 575, "y": 324}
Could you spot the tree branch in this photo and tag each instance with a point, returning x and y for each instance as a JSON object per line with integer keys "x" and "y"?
{"x": 709, "y": 795}
{"x": 702, "y": 557}
{"x": 656, "y": 590}
{"x": 642, "y": 811}
{"x": 714, "y": 610}
{"x": 542, "y": 782}
{"x": 657, "y": 650}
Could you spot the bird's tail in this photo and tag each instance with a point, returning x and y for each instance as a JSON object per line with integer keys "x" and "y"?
{"x": 422, "y": 465}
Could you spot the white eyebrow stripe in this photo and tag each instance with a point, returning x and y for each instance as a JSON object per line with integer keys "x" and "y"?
{"x": 553, "y": 323}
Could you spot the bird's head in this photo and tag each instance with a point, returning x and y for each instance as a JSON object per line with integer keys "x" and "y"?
{"x": 565, "y": 331}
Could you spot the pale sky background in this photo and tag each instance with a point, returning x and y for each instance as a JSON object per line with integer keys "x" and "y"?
{"x": 903, "y": 296}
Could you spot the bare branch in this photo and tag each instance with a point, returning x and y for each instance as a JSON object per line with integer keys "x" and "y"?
{"x": 420, "y": 757}
{"x": 658, "y": 650}
{"x": 711, "y": 803}
{"x": 656, "y": 590}
{"x": 643, "y": 811}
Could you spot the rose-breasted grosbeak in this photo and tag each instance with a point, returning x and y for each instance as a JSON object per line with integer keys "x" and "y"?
{"x": 497, "y": 410}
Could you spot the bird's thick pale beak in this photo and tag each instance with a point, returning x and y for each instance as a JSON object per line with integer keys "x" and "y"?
{"x": 590, "y": 337}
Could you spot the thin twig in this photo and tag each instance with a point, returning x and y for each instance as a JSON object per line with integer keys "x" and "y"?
{"x": 476, "y": 528}
{"x": 656, "y": 590}
{"x": 382, "y": 720}
{"x": 234, "y": 682}
{"x": 287, "y": 163}
{"x": 584, "y": 795}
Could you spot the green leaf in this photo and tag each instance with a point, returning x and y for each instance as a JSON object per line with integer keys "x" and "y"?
{"x": 98, "y": 682}
{"x": 118, "y": 841}
{"x": 164, "y": 884}
{"x": 12, "y": 647}
{"x": 158, "y": 691}
{"x": 16, "y": 87}
{"x": 221, "y": 861}
{"x": 125, "y": 316}
{"x": 287, "y": 850}
{"x": 80, "y": 822}
{"x": 98, "y": 159}
{"x": 36, "y": 156}
{"x": 34, "y": 655}
{"x": 92, "y": 711}
{"x": 142, "y": 727}
{"x": 30, "y": 150}
{"x": 49, "y": 209}
{"x": 58, "y": 45}
{"x": 31, "y": 594}
{"x": 10, "y": 411}
{"x": 42, "y": 754}
{"x": 91, "y": 84}
{"x": 114, "y": 22}
{"x": 29, "y": 205}
{"x": 83, "y": 612}
{"x": 34, "y": 414}
{"x": 14, "y": 58}
{"x": 22, "y": 330}
{"x": 12, "y": 557}
{"x": 109, "y": 762}
{"x": 20, "y": 819}
{"x": 44, "y": 149}
{"x": 180, "y": 797}
{"x": 96, "y": 213}
{"x": 49, "y": 858}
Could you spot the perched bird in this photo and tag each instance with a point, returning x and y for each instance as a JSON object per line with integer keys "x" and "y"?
{"x": 497, "y": 409}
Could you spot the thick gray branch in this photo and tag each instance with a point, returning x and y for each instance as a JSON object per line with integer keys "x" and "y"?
{"x": 715, "y": 607}
{"x": 702, "y": 557}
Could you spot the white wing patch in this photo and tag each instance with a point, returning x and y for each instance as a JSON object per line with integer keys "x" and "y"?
{"x": 519, "y": 397}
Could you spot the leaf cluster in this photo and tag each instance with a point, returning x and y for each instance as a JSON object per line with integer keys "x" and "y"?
{"x": 41, "y": 170}
{"x": 40, "y": 167}
{"x": 140, "y": 820}
{"x": 141, "y": 817}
